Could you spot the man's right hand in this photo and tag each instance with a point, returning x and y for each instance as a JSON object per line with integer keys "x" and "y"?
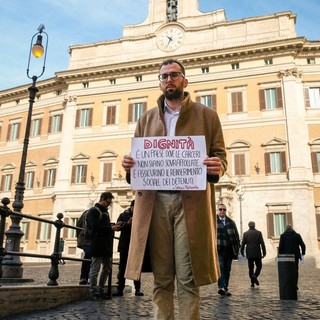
{"x": 127, "y": 163}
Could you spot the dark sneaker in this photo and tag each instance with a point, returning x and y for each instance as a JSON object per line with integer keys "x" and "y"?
{"x": 83, "y": 281}
{"x": 117, "y": 294}
{"x": 139, "y": 293}
{"x": 254, "y": 280}
{"x": 221, "y": 291}
{"x": 105, "y": 296}
{"x": 95, "y": 296}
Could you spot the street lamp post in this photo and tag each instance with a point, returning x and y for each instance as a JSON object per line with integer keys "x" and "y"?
{"x": 12, "y": 265}
{"x": 240, "y": 191}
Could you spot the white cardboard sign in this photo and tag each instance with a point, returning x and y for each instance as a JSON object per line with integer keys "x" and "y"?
{"x": 169, "y": 163}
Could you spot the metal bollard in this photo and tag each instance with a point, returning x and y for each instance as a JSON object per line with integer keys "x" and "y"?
{"x": 287, "y": 274}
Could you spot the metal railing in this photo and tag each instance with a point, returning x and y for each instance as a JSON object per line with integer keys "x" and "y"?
{"x": 55, "y": 257}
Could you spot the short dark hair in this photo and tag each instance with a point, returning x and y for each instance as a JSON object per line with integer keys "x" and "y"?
{"x": 132, "y": 203}
{"x": 170, "y": 61}
{"x": 106, "y": 195}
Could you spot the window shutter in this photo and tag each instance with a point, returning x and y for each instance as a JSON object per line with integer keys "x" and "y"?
{"x": 40, "y": 126}
{"x": 306, "y": 97}
{"x": 130, "y": 113}
{"x": 54, "y": 177}
{"x": 49, "y": 231}
{"x": 267, "y": 162}
{"x": 65, "y": 230}
{"x": 111, "y": 115}
{"x": 239, "y": 164}
{"x": 279, "y": 98}
{"x": 26, "y": 235}
{"x": 2, "y": 182}
{"x": 18, "y": 130}
{"x": 270, "y": 225}
{"x": 9, "y": 132}
{"x": 283, "y": 161}
{"x": 78, "y": 113}
{"x": 107, "y": 172}
{"x": 84, "y": 177}
{"x": 90, "y": 117}
{"x": 214, "y": 102}
{"x": 73, "y": 174}
{"x": 314, "y": 162}
{"x": 262, "y": 100}
{"x": 45, "y": 178}
{"x": 39, "y": 230}
{"x": 144, "y": 107}
{"x": 234, "y": 101}
{"x": 32, "y": 179}
{"x": 50, "y": 124}
{"x": 318, "y": 225}
{"x": 289, "y": 218}
{"x": 60, "y": 123}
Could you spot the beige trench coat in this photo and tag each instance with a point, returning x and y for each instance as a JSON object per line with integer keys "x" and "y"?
{"x": 194, "y": 119}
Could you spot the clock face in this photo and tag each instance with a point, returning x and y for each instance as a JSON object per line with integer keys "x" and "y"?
{"x": 170, "y": 38}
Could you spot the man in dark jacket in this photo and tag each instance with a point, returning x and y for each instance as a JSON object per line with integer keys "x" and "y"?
{"x": 228, "y": 244}
{"x": 123, "y": 249}
{"x": 291, "y": 243}
{"x": 101, "y": 233}
{"x": 253, "y": 244}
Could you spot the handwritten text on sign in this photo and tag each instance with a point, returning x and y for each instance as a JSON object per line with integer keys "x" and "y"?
{"x": 169, "y": 163}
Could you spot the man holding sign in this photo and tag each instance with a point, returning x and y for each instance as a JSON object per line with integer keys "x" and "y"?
{"x": 179, "y": 223}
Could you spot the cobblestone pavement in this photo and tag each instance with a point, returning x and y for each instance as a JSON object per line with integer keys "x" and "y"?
{"x": 261, "y": 302}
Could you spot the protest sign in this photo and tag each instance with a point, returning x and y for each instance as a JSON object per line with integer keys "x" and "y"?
{"x": 169, "y": 163}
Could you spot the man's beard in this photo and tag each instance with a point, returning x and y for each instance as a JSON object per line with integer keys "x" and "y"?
{"x": 173, "y": 94}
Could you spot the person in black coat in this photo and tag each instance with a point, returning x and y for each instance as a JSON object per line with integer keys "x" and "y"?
{"x": 101, "y": 234}
{"x": 291, "y": 243}
{"x": 254, "y": 249}
{"x": 123, "y": 248}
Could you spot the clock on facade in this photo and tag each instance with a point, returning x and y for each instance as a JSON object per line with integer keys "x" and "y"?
{"x": 170, "y": 38}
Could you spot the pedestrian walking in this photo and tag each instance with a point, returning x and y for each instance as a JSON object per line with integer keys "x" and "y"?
{"x": 254, "y": 249}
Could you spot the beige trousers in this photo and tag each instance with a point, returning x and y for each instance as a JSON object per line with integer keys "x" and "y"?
{"x": 169, "y": 254}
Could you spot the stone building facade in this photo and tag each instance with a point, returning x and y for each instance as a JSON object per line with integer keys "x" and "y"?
{"x": 261, "y": 78}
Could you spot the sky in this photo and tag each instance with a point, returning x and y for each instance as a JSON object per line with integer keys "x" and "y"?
{"x": 74, "y": 22}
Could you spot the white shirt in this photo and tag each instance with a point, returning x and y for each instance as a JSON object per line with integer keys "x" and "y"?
{"x": 170, "y": 118}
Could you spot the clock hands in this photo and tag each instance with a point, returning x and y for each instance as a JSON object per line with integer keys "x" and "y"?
{"x": 170, "y": 39}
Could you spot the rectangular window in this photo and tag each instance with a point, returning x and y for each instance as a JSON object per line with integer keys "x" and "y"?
{"x": 279, "y": 223}
{"x": 205, "y": 70}
{"x": 315, "y": 158}
{"x": 312, "y": 97}
{"x": 111, "y": 115}
{"x": 44, "y": 231}
{"x": 235, "y": 66}
{"x": 270, "y": 99}
{"x": 6, "y": 182}
{"x": 29, "y": 179}
{"x": 36, "y": 127}
{"x": 24, "y": 229}
{"x": 13, "y": 131}
{"x": 84, "y": 118}
{"x": 136, "y": 110}
{"x": 55, "y": 123}
{"x": 311, "y": 61}
{"x": 268, "y": 62}
{"x": 72, "y": 232}
{"x": 107, "y": 172}
{"x": 275, "y": 162}
{"x": 138, "y": 78}
{"x": 79, "y": 173}
{"x": 236, "y": 101}
{"x": 239, "y": 164}
{"x": 49, "y": 177}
